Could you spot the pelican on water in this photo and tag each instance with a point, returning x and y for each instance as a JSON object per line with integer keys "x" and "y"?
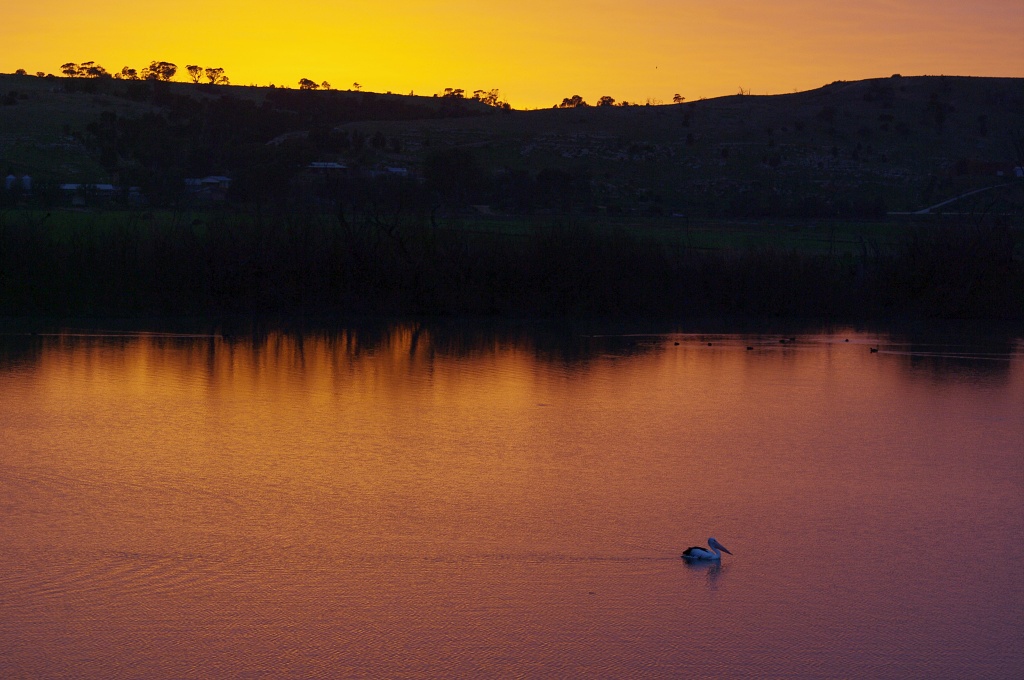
{"x": 699, "y": 553}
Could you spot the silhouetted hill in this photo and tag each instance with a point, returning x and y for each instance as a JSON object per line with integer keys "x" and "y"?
{"x": 849, "y": 149}
{"x": 321, "y": 203}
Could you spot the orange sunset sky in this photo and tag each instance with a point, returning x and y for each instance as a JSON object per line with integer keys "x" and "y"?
{"x": 535, "y": 51}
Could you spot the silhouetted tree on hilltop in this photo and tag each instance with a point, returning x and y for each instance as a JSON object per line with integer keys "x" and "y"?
{"x": 491, "y": 98}
{"x": 87, "y": 69}
{"x": 307, "y": 84}
{"x": 606, "y": 101}
{"x": 195, "y": 72}
{"x": 94, "y": 70}
{"x": 572, "y": 102}
{"x": 216, "y": 76}
{"x": 159, "y": 70}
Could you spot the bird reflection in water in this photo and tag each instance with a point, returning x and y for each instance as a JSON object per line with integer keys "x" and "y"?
{"x": 712, "y": 570}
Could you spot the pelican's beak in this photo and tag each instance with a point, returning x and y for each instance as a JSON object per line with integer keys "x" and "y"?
{"x": 716, "y": 544}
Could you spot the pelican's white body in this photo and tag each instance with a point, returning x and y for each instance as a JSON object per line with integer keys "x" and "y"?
{"x": 700, "y": 553}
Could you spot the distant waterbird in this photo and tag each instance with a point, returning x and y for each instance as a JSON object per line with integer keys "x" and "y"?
{"x": 699, "y": 553}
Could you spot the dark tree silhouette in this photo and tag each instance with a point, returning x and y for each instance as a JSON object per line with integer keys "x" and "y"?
{"x": 325, "y": 85}
{"x": 21, "y": 72}
{"x": 678, "y": 98}
{"x": 87, "y": 69}
{"x": 216, "y": 76}
{"x": 491, "y": 98}
{"x": 307, "y": 84}
{"x": 195, "y": 72}
{"x": 128, "y": 74}
{"x": 91, "y": 69}
{"x": 454, "y": 93}
{"x": 606, "y": 101}
{"x": 159, "y": 70}
{"x": 356, "y": 87}
{"x": 572, "y": 102}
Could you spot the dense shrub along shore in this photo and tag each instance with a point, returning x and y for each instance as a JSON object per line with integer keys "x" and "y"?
{"x": 372, "y": 264}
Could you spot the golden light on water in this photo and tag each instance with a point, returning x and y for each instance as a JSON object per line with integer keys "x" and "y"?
{"x": 535, "y": 52}
{"x": 410, "y": 502}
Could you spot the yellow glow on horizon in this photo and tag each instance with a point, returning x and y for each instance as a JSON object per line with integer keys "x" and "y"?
{"x": 535, "y": 52}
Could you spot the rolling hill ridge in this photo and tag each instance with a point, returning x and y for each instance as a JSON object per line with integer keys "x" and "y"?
{"x": 850, "y": 149}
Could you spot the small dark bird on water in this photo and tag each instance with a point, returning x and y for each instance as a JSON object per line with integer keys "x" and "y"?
{"x": 873, "y": 350}
{"x": 749, "y": 348}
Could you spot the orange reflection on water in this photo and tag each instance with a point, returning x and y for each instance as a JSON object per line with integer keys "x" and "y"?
{"x": 414, "y": 501}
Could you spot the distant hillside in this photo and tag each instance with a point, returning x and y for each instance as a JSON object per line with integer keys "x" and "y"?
{"x": 849, "y": 149}
{"x": 866, "y": 147}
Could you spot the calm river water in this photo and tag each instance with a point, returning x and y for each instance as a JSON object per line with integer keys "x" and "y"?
{"x": 410, "y": 502}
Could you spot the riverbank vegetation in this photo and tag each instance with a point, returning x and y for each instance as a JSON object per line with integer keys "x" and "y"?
{"x": 402, "y": 260}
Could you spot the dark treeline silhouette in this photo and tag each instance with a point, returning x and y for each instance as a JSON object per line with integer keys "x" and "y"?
{"x": 157, "y": 70}
{"x": 214, "y": 75}
{"x": 489, "y": 97}
{"x": 378, "y": 256}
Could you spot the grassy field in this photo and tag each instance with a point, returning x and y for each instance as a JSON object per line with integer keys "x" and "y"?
{"x": 37, "y": 133}
{"x": 820, "y": 237}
